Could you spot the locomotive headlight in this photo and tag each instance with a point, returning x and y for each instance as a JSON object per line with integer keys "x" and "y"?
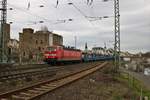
{"x": 52, "y": 54}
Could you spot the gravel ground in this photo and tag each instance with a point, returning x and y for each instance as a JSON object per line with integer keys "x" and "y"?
{"x": 64, "y": 70}
{"x": 98, "y": 86}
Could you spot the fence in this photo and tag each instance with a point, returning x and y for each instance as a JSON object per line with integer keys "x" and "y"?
{"x": 136, "y": 85}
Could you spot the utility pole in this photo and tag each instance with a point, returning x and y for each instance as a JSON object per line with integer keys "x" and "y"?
{"x": 117, "y": 35}
{"x": 2, "y": 30}
{"x": 75, "y": 41}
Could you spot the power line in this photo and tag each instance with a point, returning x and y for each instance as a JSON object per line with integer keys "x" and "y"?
{"x": 84, "y": 15}
{"x": 56, "y": 21}
{"x": 35, "y": 15}
{"x": 45, "y": 19}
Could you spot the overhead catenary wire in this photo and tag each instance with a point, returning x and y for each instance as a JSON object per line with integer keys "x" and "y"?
{"x": 24, "y": 10}
{"x": 89, "y": 2}
{"x": 55, "y": 21}
{"x": 57, "y": 2}
{"x": 88, "y": 18}
{"x": 28, "y": 6}
{"x": 82, "y": 13}
{"x": 43, "y": 18}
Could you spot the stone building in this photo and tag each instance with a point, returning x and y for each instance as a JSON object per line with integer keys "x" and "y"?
{"x": 33, "y": 44}
{"x": 13, "y": 50}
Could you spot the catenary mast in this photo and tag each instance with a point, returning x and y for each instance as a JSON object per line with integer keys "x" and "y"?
{"x": 117, "y": 35}
{"x": 3, "y": 10}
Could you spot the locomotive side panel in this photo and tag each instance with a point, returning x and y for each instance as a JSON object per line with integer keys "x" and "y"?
{"x": 59, "y": 53}
{"x": 71, "y": 55}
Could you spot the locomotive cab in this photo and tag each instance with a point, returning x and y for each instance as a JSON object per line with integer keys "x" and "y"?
{"x": 50, "y": 54}
{"x": 52, "y": 48}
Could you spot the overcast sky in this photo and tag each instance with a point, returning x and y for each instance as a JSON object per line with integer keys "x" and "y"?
{"x": 135, "y": 21}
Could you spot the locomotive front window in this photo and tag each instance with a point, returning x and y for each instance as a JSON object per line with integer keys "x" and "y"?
{"x": 51, "y": 49}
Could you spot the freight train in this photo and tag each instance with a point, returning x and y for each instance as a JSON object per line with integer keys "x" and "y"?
{"x": 60, "y": 54}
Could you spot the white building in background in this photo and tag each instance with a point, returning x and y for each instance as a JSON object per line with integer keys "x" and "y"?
{"x": 148, "y": 60}
{"x": 13, "y": 43}
{"x": 102, "y": 51}
{"x": 98, "y": 50}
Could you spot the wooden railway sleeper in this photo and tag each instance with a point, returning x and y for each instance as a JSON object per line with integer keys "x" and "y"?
{"x": 34, "y": 91}
{"x": 45, "y": 87}
{"x": 51, "y": 85}
{"x": 4, "y": 99}
{"x": 22, "y": 97}
{"x": 18, "y": 97}
{"x": 41, "y": 89}
{"x": 24, "y": 93}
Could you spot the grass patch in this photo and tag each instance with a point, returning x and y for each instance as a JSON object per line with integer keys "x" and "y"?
{"x": 134, "y": 84}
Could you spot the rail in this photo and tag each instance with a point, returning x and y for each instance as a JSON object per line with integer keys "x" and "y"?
{"x": 19, "y": 73}
{"x": 39, "y": 89}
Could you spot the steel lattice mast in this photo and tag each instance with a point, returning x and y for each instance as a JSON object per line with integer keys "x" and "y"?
{"x": 117, "y": 35}
{"x": 2, "y": 31}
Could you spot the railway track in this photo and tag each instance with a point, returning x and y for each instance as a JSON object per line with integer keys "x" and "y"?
{"x": 22, "y": 76}
{"x": 13, "y": 74}
{"x": 10, "y": 73}
{"x": 37, "y": 90}
{"x": 10, "y": 69}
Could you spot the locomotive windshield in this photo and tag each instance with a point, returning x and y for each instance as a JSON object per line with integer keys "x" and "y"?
{"x": 51, "y": 48}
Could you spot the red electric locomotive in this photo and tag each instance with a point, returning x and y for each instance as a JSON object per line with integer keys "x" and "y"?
{"x": 61, "y": 54}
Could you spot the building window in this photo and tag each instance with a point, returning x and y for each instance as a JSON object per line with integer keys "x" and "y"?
{"x": 39, "y": 48}
{"x": 41, "y": 41}
{"x": 36, "y": 41}
{"x": 9, "y": 51}
{"x": 24, "y": 53}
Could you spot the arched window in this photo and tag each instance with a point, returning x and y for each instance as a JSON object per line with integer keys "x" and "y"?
{"x": 39, "y": 48}
{"x": 24, "y": 53}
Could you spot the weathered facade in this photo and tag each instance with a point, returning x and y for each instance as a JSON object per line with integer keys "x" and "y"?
{"x": 33, "y": 44}
{"x": 13, "y": 50}
{"x": 7, "y": 36}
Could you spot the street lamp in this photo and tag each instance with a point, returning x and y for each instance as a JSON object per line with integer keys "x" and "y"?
{"x": 75, "y": 41}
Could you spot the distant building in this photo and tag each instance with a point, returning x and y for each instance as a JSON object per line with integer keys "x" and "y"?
{"x": 98, "y": 50}
{"x": 33, "y": 44}
{"x": 103, "y": 51}
{"x": 13, "y": 50}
